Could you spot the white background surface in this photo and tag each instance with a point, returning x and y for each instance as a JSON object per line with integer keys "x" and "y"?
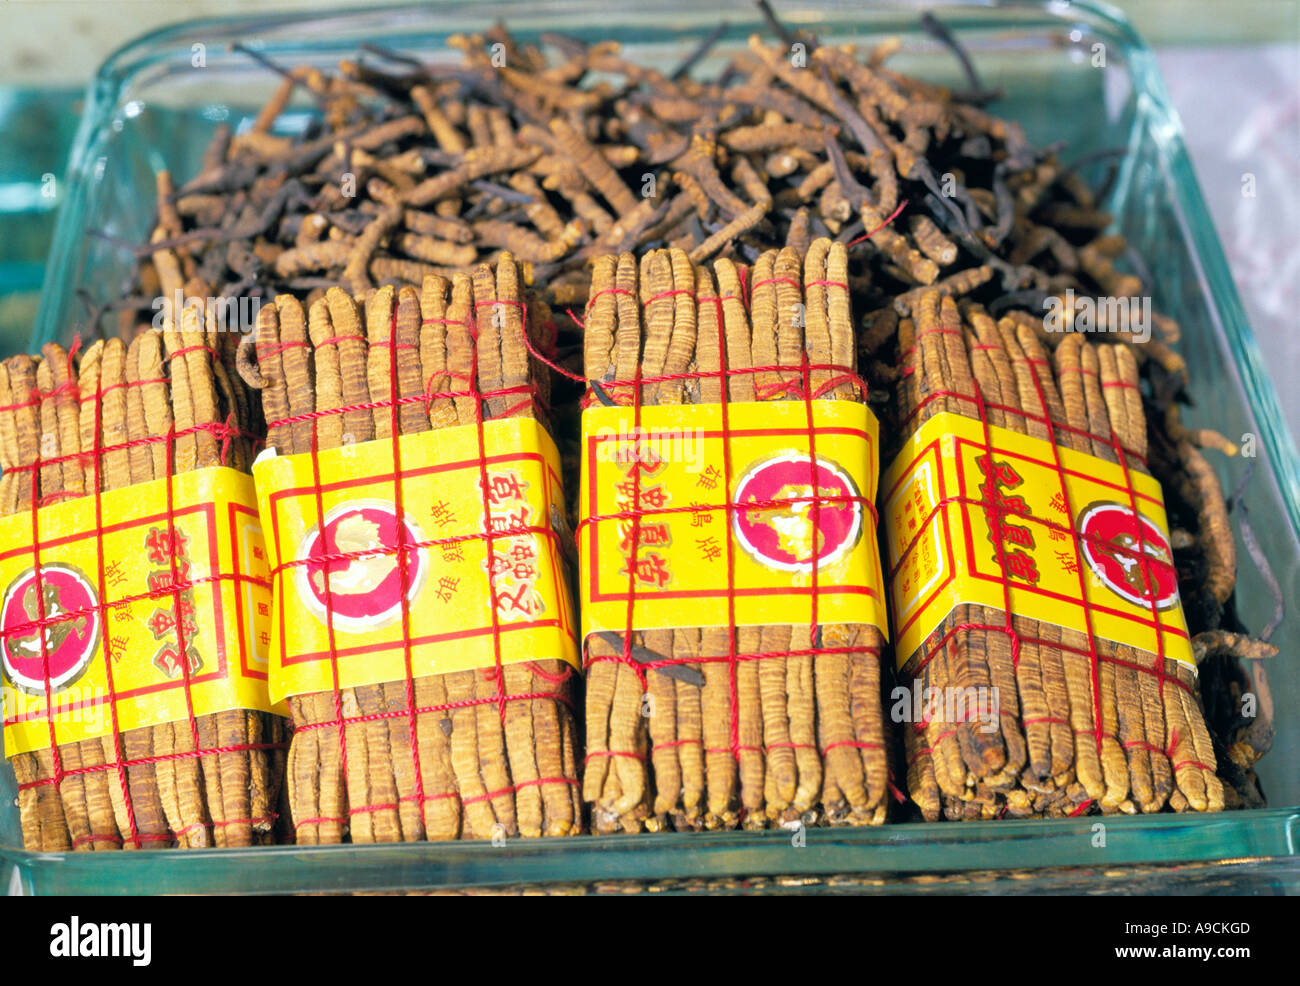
{"x": 1240, "y": 107}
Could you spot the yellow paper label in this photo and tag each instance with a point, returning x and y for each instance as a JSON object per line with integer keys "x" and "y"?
{"x": 797, "y": 543}
{"x": 98, "y": 599}
{"x": 377, "y": 599}
{"x": 1071, "y": 551}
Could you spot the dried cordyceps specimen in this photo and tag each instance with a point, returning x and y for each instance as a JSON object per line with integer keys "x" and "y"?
{"x": 114, "y": 416}
{"x": 1115, "y": 731}
{"x": 491, "y": 752}
{"x": 751, "y": 725}
{"x": 414, "y": 168}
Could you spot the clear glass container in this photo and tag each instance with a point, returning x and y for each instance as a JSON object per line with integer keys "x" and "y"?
{"x": 154, "y": 104}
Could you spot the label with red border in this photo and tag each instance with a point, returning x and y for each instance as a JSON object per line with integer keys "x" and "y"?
{"x": 990, "y": 517}
{"x": 133, "y": 609}
{"x": 382, "y": 564}
{"x": 751, "y": 514}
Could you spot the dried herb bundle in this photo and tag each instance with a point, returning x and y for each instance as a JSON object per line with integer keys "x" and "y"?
{"x": 803, "y": 736}
{"x": 487, "y": 756}
{"x": 118, "y": 415}
{"x": 1127, "y": 735}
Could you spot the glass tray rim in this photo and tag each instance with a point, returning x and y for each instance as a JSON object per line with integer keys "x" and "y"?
{"x": 898, "y": 850}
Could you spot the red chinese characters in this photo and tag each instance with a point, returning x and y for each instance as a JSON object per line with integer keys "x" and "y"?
{"x": 642, "y": 526}
{"x": 709, "y": 478}
{"x": 114, "y": 576}
{"x": 655, "y": 534}
{"x": 512, "y": 556}
{"x": 442, "y": 514}
{"x": 709, "y": 548}
{"x": 1009, "y": 539}
{"x": 650, "y": 569}
{"x": 173, "y": 620}
{"x": 446, "y": 588}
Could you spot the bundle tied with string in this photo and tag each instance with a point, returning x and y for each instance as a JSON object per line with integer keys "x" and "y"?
{"x": 751, "y": 721}
{"x": 1082, "y": 721}
{"x": 473, "y": 753}
{"x": 125, "y": 604}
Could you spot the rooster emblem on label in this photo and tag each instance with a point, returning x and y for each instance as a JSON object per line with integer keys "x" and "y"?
{"x": 354, "y": 572}
{"x": 69, "y": 605}
{"x": 1140, "y": 573}
{"x": 794, "y": 514}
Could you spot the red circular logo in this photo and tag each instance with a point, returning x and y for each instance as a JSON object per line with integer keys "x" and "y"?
{"x": 356, "y": 567}
{"x": 1140, "y": 573}
{"x": 70, "y": 633}
{"x": 792, "y": 513}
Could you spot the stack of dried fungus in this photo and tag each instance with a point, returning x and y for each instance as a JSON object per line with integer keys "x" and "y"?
{"x": 1138, "y": 741}
{"x": 494, "y": 754}
{"x": 411, "y": 167}
{"x": 119, "y": 415}
{"x": 809, "y": 731}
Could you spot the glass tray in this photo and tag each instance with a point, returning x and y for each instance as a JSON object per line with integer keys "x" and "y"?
{"x": 150, "y": 108}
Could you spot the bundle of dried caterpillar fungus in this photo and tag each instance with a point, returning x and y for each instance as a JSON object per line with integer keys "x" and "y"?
{"x": 751, "y": 725}
{"x": 119, "y": 415}
{"x": 490, "y": 754}
{"x": 1127, "y": 735}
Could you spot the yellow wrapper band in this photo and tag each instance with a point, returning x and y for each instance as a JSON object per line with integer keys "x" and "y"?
{"x": 361, "y": 598}
{"x": 1084, "y": 543}
{"x": 95, "y": 608}
{"x": 727, "y": 521}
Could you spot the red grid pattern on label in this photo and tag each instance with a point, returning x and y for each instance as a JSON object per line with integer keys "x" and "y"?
{"x": 288, "y": 563}
{"x": 465, "y": 385}
{"x": 594, "y": 517}
{"x": 947, "y": 500}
